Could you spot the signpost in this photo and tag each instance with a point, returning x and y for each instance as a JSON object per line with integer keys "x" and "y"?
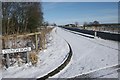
{"x": 10, "y": 51}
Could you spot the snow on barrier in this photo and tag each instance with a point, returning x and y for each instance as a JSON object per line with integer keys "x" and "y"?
{"x": 101, "y": 72}
{"x": 103, "y": 35}
{"x": 62, "y": 66}
{"x": 90, "y": 36}
{"x": 84, "y": 35}
{"x": 109, "y": 36}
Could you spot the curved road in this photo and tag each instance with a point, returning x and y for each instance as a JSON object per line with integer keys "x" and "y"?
{"x": 88, "y": 54}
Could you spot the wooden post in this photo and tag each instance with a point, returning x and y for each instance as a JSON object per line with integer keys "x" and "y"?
{"x": 27, "y": 57}
{"x": 44, "y": 46}
{"x": 36, "y": 41}
{"x": 41, "y": 41}
{"x": 8, "y": 61}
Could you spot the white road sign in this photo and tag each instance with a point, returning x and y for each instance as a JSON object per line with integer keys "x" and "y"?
{"x": 5, "y": 51}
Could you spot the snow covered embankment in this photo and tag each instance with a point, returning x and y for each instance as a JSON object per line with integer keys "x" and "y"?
{"x": 49, "y": 59}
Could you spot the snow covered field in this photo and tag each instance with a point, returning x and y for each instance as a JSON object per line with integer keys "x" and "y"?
{"x": 49, "y": 59}
{"x": 88, "y": 54}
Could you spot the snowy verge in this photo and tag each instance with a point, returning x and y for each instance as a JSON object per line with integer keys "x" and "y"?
{"x": 61, "y": 67}
{"x": 49, "y": 59}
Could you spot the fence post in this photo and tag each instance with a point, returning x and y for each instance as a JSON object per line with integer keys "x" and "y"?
{"x": 36, "y": 41}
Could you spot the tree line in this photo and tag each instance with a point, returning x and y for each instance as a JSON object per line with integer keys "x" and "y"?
{"x": 21, "y": 17}
{"x": 91, "y": 23}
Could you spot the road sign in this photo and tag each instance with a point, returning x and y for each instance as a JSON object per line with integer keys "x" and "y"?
{"x": 5, "y": 51}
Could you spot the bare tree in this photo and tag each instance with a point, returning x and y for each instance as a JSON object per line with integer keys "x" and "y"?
{"x": 21, "y": 17}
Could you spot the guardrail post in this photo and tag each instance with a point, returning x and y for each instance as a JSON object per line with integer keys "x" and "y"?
{"x": 95, "y": 34}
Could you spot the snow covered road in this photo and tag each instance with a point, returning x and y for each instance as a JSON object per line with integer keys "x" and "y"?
{"x": 88, "y": 54}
